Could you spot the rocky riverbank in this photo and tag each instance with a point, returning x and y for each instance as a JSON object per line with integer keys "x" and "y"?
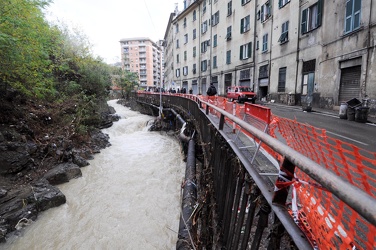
{"x": 37, "y": 151}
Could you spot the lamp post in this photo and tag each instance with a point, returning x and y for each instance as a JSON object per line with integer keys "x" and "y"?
{"x": 160, "y": 100}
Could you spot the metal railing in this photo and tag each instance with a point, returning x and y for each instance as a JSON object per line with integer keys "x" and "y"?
{"x": 354, "y": 197}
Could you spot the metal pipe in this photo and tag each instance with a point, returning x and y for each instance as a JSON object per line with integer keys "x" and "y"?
{"x": 189, "y": 200}
{"x": 354, "y": 197}
{"x": 182, "y": 136}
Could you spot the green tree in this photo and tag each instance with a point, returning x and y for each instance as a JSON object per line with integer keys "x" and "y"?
{"x": 24, "y": 46}
{"x": 127, "y": 81}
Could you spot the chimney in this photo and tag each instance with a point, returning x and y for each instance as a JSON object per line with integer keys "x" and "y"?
{"x": 176, "y": 9}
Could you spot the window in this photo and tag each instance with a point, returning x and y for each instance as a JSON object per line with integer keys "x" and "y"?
{"x": 282, "y": 80}
{"x": 245, "y": 51}
{"x": 185, "y": 38}
{"x": 229, "y": 8}
{"x": 215, "y": 62}
{"x": 228, "y": 35}
{"x": 265, "y": 11}
{"x": 245, "y": 1}
{"x": 204, "y": 65}
{"x": 228, "y": 57}
{"x": 245, "y": 24}
{"x": 282, "y": 3}
{"x": 204, "y": 46}
{"x": 194, "y": 69}
{"x": 353, "y": 10}
{"x": 194, "y": 15}
{"x": 285, "y": 33}
{"x": 177, "y": 28}
{"x": 194, "y": 51}
{"x": 177, "y": 72}
{"x": 263, "y": 71}
{"x": 265, "y": 43}
{"x": 215, "y": 18}
{"x": 203, "y": 6}
{"x": 185, "y": 55}
{"x": 204, "y": 27}
{"x": 177, "y": 58}
{"x": 215, "y": 40}
{"x": 185, "y": 22}
{"x": 177, "y": 43}
{"x": 185, "y": 70}
{"x": 311, "y": 17}
{"x": 194, "y": 34}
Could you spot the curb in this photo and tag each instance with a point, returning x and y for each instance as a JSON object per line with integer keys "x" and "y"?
{"x": 314, "y": 110}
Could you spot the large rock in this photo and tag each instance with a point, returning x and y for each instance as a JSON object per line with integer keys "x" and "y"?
{"x": 63, "y": 173}
{"x": 79, "y": 161}
{"x": 20, "y": 206}
{"x": 14, "y": 156}
{"x": 47, "y": 196}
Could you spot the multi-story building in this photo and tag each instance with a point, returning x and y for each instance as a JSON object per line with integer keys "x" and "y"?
{"x": 294, "y": 52}
{"x": 144, "y": 57}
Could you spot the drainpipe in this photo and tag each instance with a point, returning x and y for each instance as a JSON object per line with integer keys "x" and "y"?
{"x": 270, "y": 54}
{"x": 297, "y": 56}
{"x": 200, "y": 91}
{"x": 368, "y": 49}
{"x": 254, "y": 50}
{"x": 211, "y": 51}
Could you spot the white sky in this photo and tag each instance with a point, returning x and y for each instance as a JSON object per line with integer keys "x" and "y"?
{"x": 105, "y": 22}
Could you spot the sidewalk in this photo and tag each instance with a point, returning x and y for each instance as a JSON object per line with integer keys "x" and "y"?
{"x": 370, "y": 119}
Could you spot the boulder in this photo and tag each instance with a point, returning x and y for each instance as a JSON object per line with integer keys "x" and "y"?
{"x": 46, "y": 195}
{"x": 14, "y": 157}
{"x": 22, "y": 205}
{"x": 79, "y": 161}
{"x": 63, "y": 173}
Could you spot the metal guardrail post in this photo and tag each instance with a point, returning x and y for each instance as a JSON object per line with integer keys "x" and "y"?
{"x": 221, "y": 122}
{"x": 286, "y": 174}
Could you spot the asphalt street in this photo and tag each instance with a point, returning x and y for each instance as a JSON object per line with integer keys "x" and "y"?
{"x": 362, "y": 135}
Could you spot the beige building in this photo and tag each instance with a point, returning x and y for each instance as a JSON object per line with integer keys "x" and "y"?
{"x": 312, "y": 52}
{"x": 145, "y": 57}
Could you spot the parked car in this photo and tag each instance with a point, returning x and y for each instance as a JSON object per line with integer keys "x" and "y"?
{"x": 241, "y": 94}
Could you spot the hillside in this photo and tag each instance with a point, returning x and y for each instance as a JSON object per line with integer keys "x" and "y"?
{"x": 36, "y": 138}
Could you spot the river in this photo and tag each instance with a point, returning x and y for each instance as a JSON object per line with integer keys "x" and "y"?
{"x": 127, "y": 198}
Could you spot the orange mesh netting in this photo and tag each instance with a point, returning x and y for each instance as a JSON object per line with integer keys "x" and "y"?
{"x": 333, "y": 224}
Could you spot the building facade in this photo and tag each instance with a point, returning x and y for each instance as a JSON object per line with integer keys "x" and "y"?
{"x": 314, "y": 52}
{"x": 144, "y": 57}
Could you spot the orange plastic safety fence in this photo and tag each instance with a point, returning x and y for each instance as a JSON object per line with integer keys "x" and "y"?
{"x": 328, "y": 222}
{"x": 334, "y": 225}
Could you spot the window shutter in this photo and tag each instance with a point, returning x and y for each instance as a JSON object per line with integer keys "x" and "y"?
{"x": 280, "y": 3}
{"x": 241, "y": 26}
{"x": 249, "y": 52}
{"x": 304, "y": 21}
{"x": 241, "y": 53}
{"x": 348, "y": 26}
{"x": 262, "y": 13}
{"x": 319, "y": 12}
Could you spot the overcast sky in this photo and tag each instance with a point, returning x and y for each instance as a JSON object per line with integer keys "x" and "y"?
{"x": 105, "y": 22}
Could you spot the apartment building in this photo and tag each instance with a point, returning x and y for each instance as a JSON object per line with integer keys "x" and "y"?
{"x": 310, "y": 52}
{"x": 144, "y": 57}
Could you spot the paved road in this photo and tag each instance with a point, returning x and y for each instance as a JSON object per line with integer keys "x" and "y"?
{"x": 362, "y": 135}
